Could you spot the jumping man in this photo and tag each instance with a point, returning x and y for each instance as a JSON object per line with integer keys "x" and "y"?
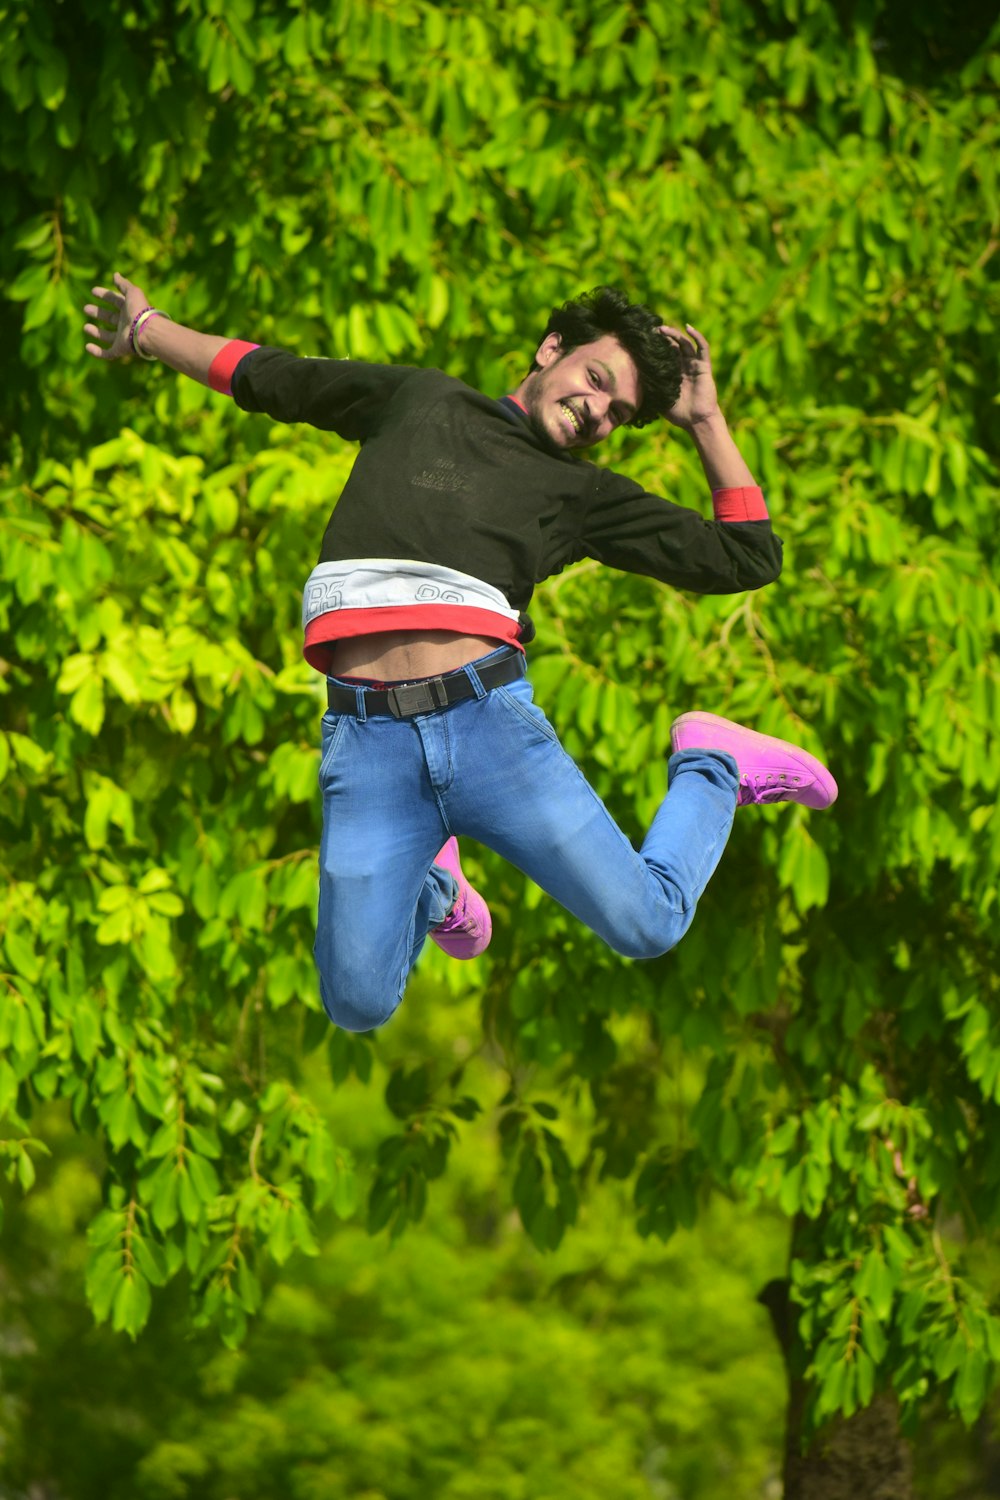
{"x": 457, "y": 505}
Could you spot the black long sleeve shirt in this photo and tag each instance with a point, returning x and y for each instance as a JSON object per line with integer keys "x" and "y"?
{"x": 453, "y": 479}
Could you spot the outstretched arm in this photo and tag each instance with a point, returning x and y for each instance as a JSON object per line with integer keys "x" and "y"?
{"x": 337, "y": 395}
{"x": 697, "y": 412}
{"x": 119, "y": 329}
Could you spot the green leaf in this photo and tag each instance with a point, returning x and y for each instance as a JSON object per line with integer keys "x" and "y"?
{"x": 790, "y": 1191}
{"x": 875, "y": 1341}
{"x": 167, "y": 903}
{"x": 120, "y": 1118}
{"x": 280, "y": 1240}
{"x": 86, "y": 707}
{"x": 100, "y": 802}
{"x": 218, "y": 67}
{"x": 25, "y": 1170}
{"x": 803, "y": 867}
{"x": 51, "y": 78}
{"x": 296, "y": 44}
{"x": 644, "y": 57}
{"x": 204, "y": 1141}
{"x": 237, "y": 1117}
{"x": 881, "y": 1287}
{"x": 950, "y": 1354}
{"x": 150, "y": 1260}
{"x": 86, "y": 1027}
{"x": 784, "y": 1138}
{"x": 345, "y": 1195}
{"x": 203, "y": 1176}
{"x": 607, "y": 30}
{"x": 969, "y": 1391}
{"x": 22, "y": 956}
{"x": 103, "y": 1280}
{"x": 131, "y": 1306}
{"x": 831, "y": 1391}
{"x": 165, "y": 1206}
{"x": 189, "y": 1200}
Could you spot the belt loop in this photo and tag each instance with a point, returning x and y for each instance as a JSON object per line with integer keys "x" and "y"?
{"x": 362, "y": 714}
{"x": 475, "y": 679}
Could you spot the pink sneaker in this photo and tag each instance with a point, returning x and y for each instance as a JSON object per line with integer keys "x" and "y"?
{"x": 467, "y": 929}
{"x": 770, "y": 770}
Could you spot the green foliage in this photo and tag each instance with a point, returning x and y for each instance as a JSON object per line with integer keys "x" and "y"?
{"x": 407, "y": 182}
{"x": 453, "y": 1362}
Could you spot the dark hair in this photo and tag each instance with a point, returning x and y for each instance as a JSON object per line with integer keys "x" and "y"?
{"x": 607, "y": 309}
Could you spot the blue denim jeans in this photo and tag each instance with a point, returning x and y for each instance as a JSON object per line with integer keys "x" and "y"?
{"x": 491, "y": 768}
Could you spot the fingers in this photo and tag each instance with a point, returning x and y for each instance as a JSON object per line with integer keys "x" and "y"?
{"x": 690, "y": 335}
{"x": 110, "y": 317}
{"x": 701, "y": 342}
{"x": 692, "y": 344}
{"x": 110, "y": 310}
{"x": 679, "y": 341}
{"x": 106, "y": 331}
{"x": 107, "y": 314}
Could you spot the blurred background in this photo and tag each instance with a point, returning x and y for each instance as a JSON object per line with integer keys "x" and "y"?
{"x": 569, "y": 1226}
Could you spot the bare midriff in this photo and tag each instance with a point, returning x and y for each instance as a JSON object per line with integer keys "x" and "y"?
{"x": 405, "y": 655}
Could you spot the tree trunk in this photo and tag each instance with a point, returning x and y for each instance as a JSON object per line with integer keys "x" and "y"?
{"x": 864, "y": 1455}
{"x": 860, "y": 1455}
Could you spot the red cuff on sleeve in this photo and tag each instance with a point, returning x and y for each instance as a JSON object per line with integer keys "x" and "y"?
{"x": 220, "y": 371}
{"x": 740, "y": 504}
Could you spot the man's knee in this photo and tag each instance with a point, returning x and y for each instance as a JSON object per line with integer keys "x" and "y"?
{"x": 642, "y": 945}
{"x": 652, "y": 938}
{"x": 350, "y": 1008}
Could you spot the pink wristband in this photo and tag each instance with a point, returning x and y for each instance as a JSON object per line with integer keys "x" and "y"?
{"x": 740, "y": 503}
{"x": 223, "y": 366}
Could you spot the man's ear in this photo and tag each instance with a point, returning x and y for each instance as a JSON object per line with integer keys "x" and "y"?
{"x": 549, "y": 350}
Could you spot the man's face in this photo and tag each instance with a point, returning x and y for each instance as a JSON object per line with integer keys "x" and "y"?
{"x": 577, "y": 399}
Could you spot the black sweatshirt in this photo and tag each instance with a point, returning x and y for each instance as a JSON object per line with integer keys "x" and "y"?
{"x": 462, "y": 487}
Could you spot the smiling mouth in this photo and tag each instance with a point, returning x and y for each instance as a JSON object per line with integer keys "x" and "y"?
{"x": 573, "y": 416}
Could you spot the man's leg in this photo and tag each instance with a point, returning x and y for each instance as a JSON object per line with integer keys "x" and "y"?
{"x": 379, "y": 891}
{"x": 517, "y": 791}
{"x": 493, "y": 768}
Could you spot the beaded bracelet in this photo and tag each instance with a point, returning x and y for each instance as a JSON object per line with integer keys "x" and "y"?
{"x": 131, "y": 332}
{"x": 141, "y": 319}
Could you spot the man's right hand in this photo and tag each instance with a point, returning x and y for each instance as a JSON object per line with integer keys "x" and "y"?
{"x": 115, "y": 310}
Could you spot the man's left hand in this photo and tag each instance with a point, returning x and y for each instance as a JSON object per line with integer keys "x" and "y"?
{"x": 698, "y": 400}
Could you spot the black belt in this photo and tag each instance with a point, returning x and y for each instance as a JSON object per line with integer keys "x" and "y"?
{"x": 426, "y": 696}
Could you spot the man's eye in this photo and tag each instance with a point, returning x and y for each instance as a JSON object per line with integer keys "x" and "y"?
{"x": 593, "y": 378}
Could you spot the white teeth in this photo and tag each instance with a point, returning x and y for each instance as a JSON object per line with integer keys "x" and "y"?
{"x": 574, "y": 418}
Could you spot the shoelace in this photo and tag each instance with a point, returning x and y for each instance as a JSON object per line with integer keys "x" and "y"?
{"x": 770, "y": 786}
{"x": 458, "y": 919}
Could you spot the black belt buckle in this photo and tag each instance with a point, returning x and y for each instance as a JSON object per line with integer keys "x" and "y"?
{"x": 412, "y": 698}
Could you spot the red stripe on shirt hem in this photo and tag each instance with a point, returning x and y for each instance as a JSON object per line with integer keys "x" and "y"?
{"x": 323, "y": 633}
{"x": 223, "y": 366}
{"x": 743, "y": 503}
